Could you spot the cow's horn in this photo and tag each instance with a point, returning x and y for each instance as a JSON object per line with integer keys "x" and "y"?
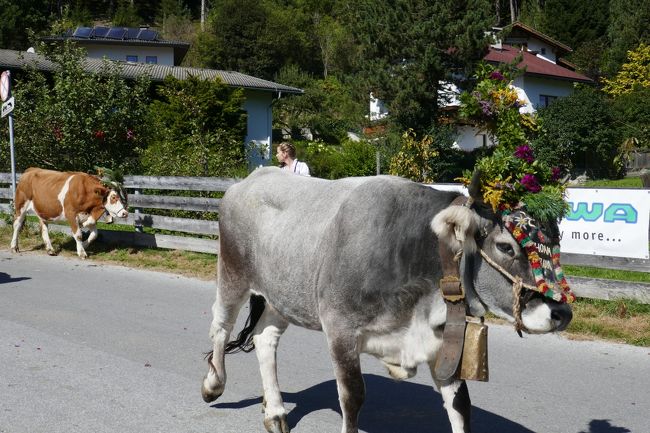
{"x": 474, "y": 188}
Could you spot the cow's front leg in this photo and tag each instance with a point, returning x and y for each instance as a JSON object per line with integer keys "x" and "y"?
{"x": 224, "y": 314}
{"x": 266, "y": 336}
{"x": 455, "y": 396}
{"x": 92, "y": 226}
{"x": 347, "y": 369}
{"x": 77, "y": 234}
{"x": 45, "y": 234}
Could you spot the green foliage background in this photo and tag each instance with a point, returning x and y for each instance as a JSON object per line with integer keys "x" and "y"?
{"x": 74, "y": 121}
{"x": 338, "y": 51}
{"x": 198, "y": 129}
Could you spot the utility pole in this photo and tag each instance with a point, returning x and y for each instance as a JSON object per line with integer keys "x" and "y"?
{"x": 202, "y": 15}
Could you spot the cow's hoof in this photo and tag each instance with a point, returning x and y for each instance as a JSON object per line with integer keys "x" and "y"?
{"x": 210, "y": 394}
{"x": 276, "y": 424}
{"x": 83, "y": 256}
{"x": 51, "y": 252}
{"x": 14, "y": 250}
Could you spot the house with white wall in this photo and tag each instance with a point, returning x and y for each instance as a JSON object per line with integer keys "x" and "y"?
{"x": 259, "y": 94}
{"x": 126, "y": 44}
{"x": 547, "y": 76}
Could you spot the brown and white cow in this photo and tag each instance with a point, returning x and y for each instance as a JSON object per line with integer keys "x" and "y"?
{"x": 78, "y": 197}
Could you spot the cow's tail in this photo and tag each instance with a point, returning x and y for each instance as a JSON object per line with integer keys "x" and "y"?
{"x": 244, "y": 341}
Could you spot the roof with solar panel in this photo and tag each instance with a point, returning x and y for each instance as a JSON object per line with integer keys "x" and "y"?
{"x": 125, "y": 36}
{"x": 11, "y": 59}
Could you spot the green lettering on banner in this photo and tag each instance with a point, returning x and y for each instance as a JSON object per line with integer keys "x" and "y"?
{"x": 581, "y": 211}
{"x": 621, "y": 212}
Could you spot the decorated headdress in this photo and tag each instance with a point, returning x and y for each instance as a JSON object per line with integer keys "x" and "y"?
{"x": 524, "y": 192}
{"x": 113, "y": 179}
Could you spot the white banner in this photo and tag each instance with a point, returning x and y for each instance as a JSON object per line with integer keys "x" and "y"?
{"x": 602, "y": 222}
{"x": 607, "y": 222}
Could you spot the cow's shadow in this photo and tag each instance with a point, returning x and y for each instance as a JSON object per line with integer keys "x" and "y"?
{"x": 6, "y": 278}
{"x": 389, "y": 407}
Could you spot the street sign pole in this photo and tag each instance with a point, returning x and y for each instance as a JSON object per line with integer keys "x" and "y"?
{"x": 5, "y": 93}
{"x": 13, "y": 159}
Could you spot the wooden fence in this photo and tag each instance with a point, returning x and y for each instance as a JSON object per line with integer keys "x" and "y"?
{"x": 200, "y": 235}
{"x": 639, "y": 160}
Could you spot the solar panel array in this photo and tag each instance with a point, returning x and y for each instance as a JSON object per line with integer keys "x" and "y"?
{"x": 118, "y": 33}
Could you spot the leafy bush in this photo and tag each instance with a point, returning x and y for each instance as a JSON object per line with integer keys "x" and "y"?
{"x": 494, "y": 105}
{"x": 350, "y": 158}
{"x": 429, "y": 159}
{"x": 579, "y": 132}
{"x": 74, "y": 120}
{"x": 198, "y": 130}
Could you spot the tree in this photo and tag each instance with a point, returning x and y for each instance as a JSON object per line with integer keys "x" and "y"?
{"x": 17, "y": 18}
{"x": 327, "y": 108}
{"x": 577, "y": 133}
{"x": 572, "y": 22}
{"x": 74, "y": 120}
{"x": 126, "y": 15}
{"x": 258, "y": 38}
{"x": 198, "y": 130}
{"x": 628, "y": 27}
{"x": 426, "y": 43}
{"x": 635, "y": 72}
{"x": 633, "y": 116}
{"x": 428, "y": 159}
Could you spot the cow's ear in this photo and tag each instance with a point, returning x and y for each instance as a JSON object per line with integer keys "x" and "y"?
{"x": 100, "y": 191}
{"x": 456, "y": 226}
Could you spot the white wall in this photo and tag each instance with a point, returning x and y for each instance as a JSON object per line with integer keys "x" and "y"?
{"x": 470, "y": 137}
{"x": 115, "y": 52}
{"x": 529, "y": 89}
{"x": 536, "y": 86}
{"x": 377, "y": 108}
{"x": 537, "y": 45}
{"x": 259, "y": 128}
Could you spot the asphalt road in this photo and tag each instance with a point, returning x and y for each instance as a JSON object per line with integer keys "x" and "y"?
{"x": 96, "y": 348}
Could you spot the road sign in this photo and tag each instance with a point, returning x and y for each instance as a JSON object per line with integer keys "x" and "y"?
{"x": 4, "y": 85}
{"x": 7, "y": 106}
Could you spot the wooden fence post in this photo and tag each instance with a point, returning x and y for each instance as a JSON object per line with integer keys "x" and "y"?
{"x": 137, "y": 224}
{"x": 645, "y": 179}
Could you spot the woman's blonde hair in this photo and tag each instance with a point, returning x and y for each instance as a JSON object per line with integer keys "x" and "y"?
{"x": 285, "y": 146}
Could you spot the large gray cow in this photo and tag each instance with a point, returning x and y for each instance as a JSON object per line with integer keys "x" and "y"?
{"x": 358, "y": 259}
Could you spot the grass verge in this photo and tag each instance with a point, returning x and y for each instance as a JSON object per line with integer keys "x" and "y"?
{"x": 625, "y": 321}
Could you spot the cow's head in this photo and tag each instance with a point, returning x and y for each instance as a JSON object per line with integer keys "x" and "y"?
{"x": 115, "y": 202}
{"x": 492, "y": 258}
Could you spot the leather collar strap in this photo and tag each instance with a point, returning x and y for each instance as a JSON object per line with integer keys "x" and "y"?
{"x": 453, "y": 336}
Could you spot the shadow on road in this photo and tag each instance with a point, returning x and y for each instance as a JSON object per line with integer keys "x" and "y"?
{"x": 6, "y": 278}
{"x": 604, "y": 426}
{"x": 390, "y": 407}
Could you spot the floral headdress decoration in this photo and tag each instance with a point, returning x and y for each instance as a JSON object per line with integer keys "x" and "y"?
{"x": 113, "y": 179}
{"x": 527, "y": 194}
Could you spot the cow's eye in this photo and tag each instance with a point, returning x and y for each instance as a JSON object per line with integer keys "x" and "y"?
{"x": 506, "y": 248}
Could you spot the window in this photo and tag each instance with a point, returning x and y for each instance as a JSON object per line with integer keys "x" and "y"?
{"x": 133, "y": 59}
{"x": 546, "y": 100}
{"x": 151, "y": 59}
{"x": 542, "y": 51}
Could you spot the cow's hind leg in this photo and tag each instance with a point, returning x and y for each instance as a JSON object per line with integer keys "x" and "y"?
{"x": 347, "y": 369}
{"x": 455, "y": 396}
{"x": 266, "y": 336}
{"x": 224, "y": 314}
{"x": 19, "y": 221}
